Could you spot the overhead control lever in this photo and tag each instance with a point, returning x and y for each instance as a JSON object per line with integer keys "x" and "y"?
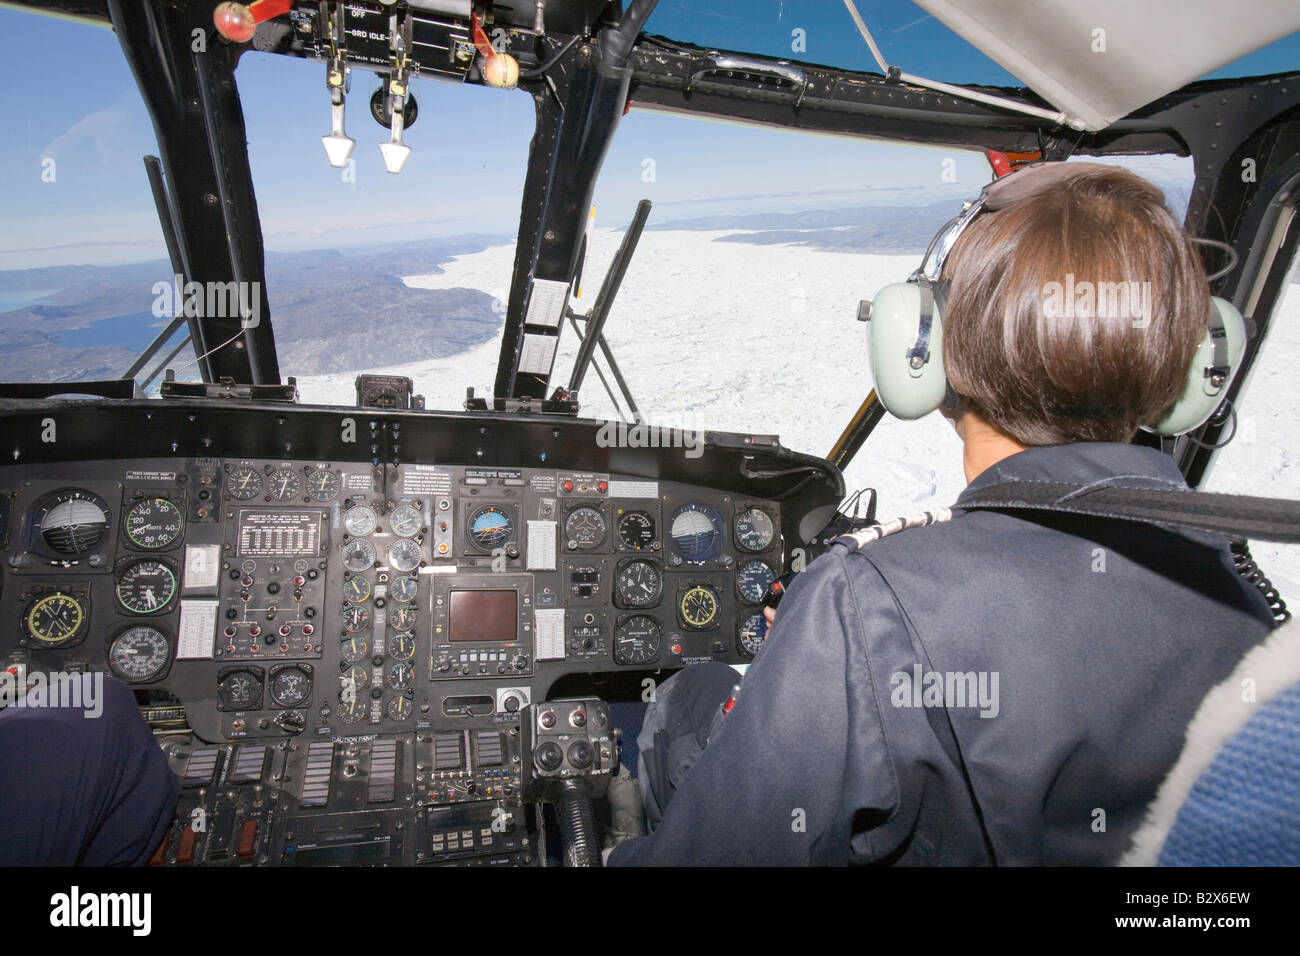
{"x": 338, "y": 80}
{"x": 395, "y": 152}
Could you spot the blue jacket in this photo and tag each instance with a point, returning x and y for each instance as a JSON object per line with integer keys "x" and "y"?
{"x": 996, "y": 689}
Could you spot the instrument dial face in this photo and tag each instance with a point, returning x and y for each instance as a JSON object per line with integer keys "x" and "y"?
{"x": 284, "y": 484}
{"x": 240, "y": 690}
{"x": 352, "y": 682}
{"x": 755, "y": 530}
{"x": 73, "y": 522}
{"x": 352, "y": 709}
{"x": 356, "y": 589}
{"x": 290, "y": 687}
{"x": 753, "y": 632}
{"x": 360, "y": 521}
{"x": 139, "y": 654}
{"x": 639, "y": 584}
{"x": 697, "y": 532}
{"x": 402, "y": 617}
{"x": 404, "y": 589}
{"x": 400, "y": 676}
{"x": 402, "y": 646}
{"x": 245, "y": 483}
{"x": 752, "y": 579}
{"x": 154, "y": 523}
{"x": 399, "y": 708}
{"x": 355, "y": 618}
{"x": 146, "y": 586}
{"x": 585, "y": 529}
{"x": 355, "y": 649}
{"x": 358, "y": 555}
{"x": 322, "y": 485}
{"x": 404, "y": 555}
{"x": 636, "y": 640}
{"x": 636, "y": 530}
{"x": 699, "y": 607}
{"x": 405, "y": 521}
{"x": 56, "y": 619}
{"x": 490, "y": 527}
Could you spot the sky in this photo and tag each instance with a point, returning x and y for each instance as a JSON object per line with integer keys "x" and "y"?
{"x": 73, "y": 187}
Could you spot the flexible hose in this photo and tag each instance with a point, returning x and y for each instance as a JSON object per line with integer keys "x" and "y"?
{"x": 577, "y": 825}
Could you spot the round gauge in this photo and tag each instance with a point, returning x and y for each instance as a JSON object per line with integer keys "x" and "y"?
{"x": 490, "y": 527}
{"x": 404, "y": 589}
{"x": 240, "y": 690}
{"x": 636, "y": 640}
{"x": 284, "y": 484}
{"x": 356, "y": 589}
{"x": 146, "y": 586}
{"x": 402, "y": 617}
{"x": 399, "y": 708}
{"x": 360, "y": 521}
{"x": 404, "y": 555}
{"x": 638, "y": 584}
{"x": 753, "y": 632}
{"x": 245, "y": 483}
{"x": 72, "y": 522}
{"x": 754, "y": 530}
{"x": 405, "y": 521}
{"x": 139, "y": 654}
{"x": 154, "y": 523}
{"x": 636, "y": 531}
{"x": 358, "y": 555}
{"x": 322, "y": 485}
{"x": 352, "y": 708}
{"x": 752, "y": 579}
{"x": 355, "y": 618}
{"x": 400, "y": 676}
{"x": 355, "y": 649}
{"x": 56, "y": 619}
{"x": 355, "y": 679}
{"x": 697, "y": 532}
{"x": 402, "y": 646}
{"x": 290, "y": 687}
{"x": 699, "y": 607}
{"x": 585, "y": 529}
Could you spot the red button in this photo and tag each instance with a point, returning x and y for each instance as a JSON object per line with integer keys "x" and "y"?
{"x": 247, "y": 838}
{"x": 603, "y": 487}
{"x": 185, "y": 854}
{"x": 568, "y": 486}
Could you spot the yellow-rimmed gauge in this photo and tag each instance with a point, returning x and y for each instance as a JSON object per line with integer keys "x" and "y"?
{"x": 352, "y": 708}
{"x": 56, "y": 619}
{"x": 355, "y": 649}
{"x": 698, "y": 607}
{"x": 356, "y": 589}
{"x": 402, "y": 646}
{"x": 403, "y": 617}
{"x": 323, "y": 485}
{"x": 244, "y": 483}
{"x": 399, "y": 708}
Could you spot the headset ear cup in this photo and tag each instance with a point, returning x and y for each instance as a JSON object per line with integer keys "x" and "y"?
{"x": 1205, "y": 391}
{"x": 906, "y": 392}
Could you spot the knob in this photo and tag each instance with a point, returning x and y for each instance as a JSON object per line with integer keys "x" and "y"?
{"x": 520, "y": 663}
{"x": 578, "y": 718}
{"x": 580, "y": 754}
{"x": 549, "y": 756}
{"x": 547, "y": 719}
{"x": 512, "y": 704}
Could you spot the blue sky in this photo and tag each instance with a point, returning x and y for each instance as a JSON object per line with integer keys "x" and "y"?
{"x": 470, "y": 144}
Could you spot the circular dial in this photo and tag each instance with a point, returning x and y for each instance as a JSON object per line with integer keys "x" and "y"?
{"x": 290, "y": 687}
{"x": 139, "y": 654}
{"x": 360, "y": 521}
{"x": 356, "y": 589}
{"x": 404, "y": 555}
{"x": 402, "y": 617}
{"x": 636, "y": 530}
{"x": 490, "y": 527}
{"x": 752, "y": 634}
{"x": 322, "y": 485}
{"x": 405, "y": 521}
{"x": 154, "y": 523}
{"x": 402, "y": 646}
{"x": 356, "y": 678}
{"x": 358, "y": 555}
{"x": 284, "y": 484}
{"x": 240, "y": 690}
{"x": 352, "y": 708}
{"x": 697, "y": 532}
{"x": 404, "y": 589}
{"x": 56, "y": 619}
{"x": 245, "y": 483}
{"x": 73, "y": 522}
{"x": 355, "y": 649}
{"x": 146, "y": 586}
{"x": 699, "y": 607}
{"x": 585, "y": 529}
{"x": 752, "y": 579}
{"x": 754, "y": 530}
{"x": 399, "y": 708}
{"x": 636, "y": 640}
{"x": 638, "y": 584}
{"x": 355, "y": 618}
{"x": 400, "y": 676}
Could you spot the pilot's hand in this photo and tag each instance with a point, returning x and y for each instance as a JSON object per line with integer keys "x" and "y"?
{"x": 770, "y": 614}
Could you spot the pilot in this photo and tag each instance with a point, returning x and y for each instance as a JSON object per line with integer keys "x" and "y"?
{"x": 997, "y": 688}
{"x": 82, "y": 780}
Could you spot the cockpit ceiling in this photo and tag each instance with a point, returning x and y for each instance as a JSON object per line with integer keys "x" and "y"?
{"x": 1099, "y": 61}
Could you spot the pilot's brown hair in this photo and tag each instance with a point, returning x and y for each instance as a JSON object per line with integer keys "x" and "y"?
{"x": 1038, "y": 347}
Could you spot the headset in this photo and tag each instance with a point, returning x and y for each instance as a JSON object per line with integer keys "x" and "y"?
{"x": 905, "y": 332}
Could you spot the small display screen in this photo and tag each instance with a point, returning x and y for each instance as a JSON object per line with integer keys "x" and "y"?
{"x": 484, "y": 616}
